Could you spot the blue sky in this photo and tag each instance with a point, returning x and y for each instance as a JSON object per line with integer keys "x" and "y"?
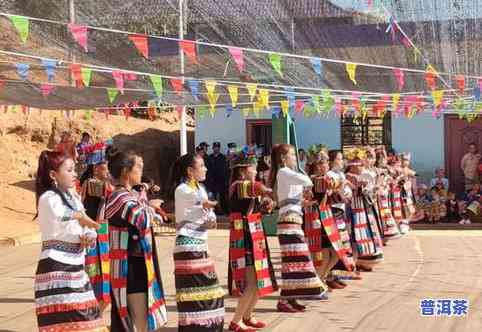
{"x": 422, "y": 10}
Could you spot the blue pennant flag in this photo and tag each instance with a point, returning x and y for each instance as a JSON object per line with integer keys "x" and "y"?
{"x": 194, "y": 87}
{"x": 290, "y": 95}
{"x": 276, "y": 111}
{"x": 477, "y": 93}
{"x": 50, "y": 66}
{"x": 23, "y": 70}
{"x": 317, "y": 66}
{"x": 229, "y": 111}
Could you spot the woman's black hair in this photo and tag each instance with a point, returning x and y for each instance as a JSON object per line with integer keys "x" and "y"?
{"x": 179, "y": 169}
{"x": 119, "y": 161}
{"x": 88, "y": 174}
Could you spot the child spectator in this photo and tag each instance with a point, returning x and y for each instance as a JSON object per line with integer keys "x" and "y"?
{"x": 471, "y": 204}
{"x": 440, "y": 179}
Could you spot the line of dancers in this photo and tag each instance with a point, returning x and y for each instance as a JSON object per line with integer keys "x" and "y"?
{"x": 98, "y": 247}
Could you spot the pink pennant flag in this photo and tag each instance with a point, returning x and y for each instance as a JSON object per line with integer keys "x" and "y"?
{"x": 238, "y": 57}
{"x": 141, "y": 43}
{"x": 480, "y": 84}
{"x": 189, "y": 48}
{"x": 79, "y": 32}
{"x": 130, "y": 76}
{"x": 47, "y": 89}
{"x": 76, "y": 71}
{"x": 177, "y": 85}
{"x": 119, "y": 80}
{"x": 400, "y": 76}
{"x": 179, "y": 109}
{"x": 2, "y": 84}
{"x": 299, "y": 105}
{"x": 406, "y": 42}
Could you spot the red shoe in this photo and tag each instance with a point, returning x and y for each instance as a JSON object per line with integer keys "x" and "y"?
{"x": 285, "y": 307}
{"x": 297, "y": 306}
{"x": 237, "y": 328}
{"x": 257, "y": 325}
{"x": 334, "y": 285}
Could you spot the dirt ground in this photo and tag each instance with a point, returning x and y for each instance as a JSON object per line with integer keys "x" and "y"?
{"x": 24, "y": 136}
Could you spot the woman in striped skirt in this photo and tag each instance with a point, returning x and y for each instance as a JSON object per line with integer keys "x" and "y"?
{"x": 298, "y": 276}
{"x": 199, "y": 297}
{"x": 64, "y": 299}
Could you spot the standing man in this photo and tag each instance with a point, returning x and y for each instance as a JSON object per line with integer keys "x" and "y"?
{"x": 217, "y": 177}
{"x": 469, "y": 165}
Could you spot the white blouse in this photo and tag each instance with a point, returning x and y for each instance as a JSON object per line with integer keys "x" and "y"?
{"x": 191, "y": 216}
{"x": 290, "y": 186}
{"x": 60, "y": 232}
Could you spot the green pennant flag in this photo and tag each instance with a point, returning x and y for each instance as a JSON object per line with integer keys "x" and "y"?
{"x": 21, "y": 23}
{"x": 316, "y": 103}
{"x": 156, "y": 81}
{"x": 459, "y": 106}
{"x": 308, "y": 111}
{"x": 112, "y": 93}
{"x": 328, "y": 101}
{"x": 86, "y": 75}
{"x": 471, "y": 116}
{"x": 201, "y": 111}
{"x": 88, "y": 115}
{"x": 275, "y": 60}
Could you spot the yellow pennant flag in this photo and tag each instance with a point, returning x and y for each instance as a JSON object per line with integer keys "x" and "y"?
{"x": 233, "y": 93}
{"x": 395, "y": 101}
{"x": 351, "y": 70}
{"x": 246, "y": 111}
{"x": 252, "y": 87}
{"x": 210, "y": 87}
{"x": 437, "y": 96}
{"x": 213, "y": 100}
{"x": 263, "y": 98}
{"x": 257, "y": 107}
{"x": 285, "y": 107}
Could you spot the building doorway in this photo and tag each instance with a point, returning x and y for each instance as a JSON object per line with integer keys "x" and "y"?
{"x": 259, "y": 132}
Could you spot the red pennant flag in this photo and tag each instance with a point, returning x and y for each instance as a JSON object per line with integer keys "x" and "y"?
{"x": 76, "y": 70}
{"x": 47, "y": 89}
{"x": 127, "y": 111}
{"x": 189, "y": 48}
{"x": 400, "y": 76}
{"x": 2, "y": 84}
{"x": 25, "y": 109}
{"x": 151, "y": 113}
{"x": 299, "y": 105}
{"x": 79, "y": 32}
{"x": 179, "y": 111}
{"x": 237, "y": 55}
{"x": 119, "y": 80}
{"x": 406, "y": 42}
{"x": 430, "y": 78}
{"x": 460, "y": 80}
{"x": 177, "y": 85}
{"x": 142, "y": 44}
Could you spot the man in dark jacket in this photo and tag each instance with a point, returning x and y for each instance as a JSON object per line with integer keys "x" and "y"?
{"x": 218, "y": 176}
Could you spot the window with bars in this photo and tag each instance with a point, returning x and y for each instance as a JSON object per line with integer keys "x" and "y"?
{"x": 372, "y": 131}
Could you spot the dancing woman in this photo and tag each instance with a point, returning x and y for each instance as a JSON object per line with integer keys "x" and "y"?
{"x": 137, "y": 293}
{"x": 199, "y": 297}
{"x": 64, "y": 299}
{"x": 298, "y": 276}
{"x": 251, "y": 274}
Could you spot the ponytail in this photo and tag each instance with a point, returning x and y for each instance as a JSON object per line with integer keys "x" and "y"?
{"x": 278, "y": 151}
{"x": 179, "y": 169}
{"x": 48, "y": 161}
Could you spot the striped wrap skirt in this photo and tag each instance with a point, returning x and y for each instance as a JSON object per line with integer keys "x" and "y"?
{"x": 199, "y": 297}
{"x": 64, "y": 299}
{"x": 298, "y": 275}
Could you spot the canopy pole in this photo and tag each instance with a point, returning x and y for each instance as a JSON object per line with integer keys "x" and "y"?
{"x": 183, "y": 125}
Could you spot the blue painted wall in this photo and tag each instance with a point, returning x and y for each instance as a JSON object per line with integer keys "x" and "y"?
{"x": 233, "y": 129}
{"x": 423, "y": 136}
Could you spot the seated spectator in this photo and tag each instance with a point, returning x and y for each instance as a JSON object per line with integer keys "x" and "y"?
{"x": 423, "y": 204}
{"x": 440, "y": 179}
{"x": 470, "y": 204}
{"x": 453, "y": 212}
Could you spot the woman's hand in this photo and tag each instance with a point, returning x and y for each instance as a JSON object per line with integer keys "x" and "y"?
{"x": 85, "y": 221}
{"x": 155, "y": 188}
{"x": 87, "y": 241}
{"x": 209, "y": 204}
{"x": 156, "y": 203}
